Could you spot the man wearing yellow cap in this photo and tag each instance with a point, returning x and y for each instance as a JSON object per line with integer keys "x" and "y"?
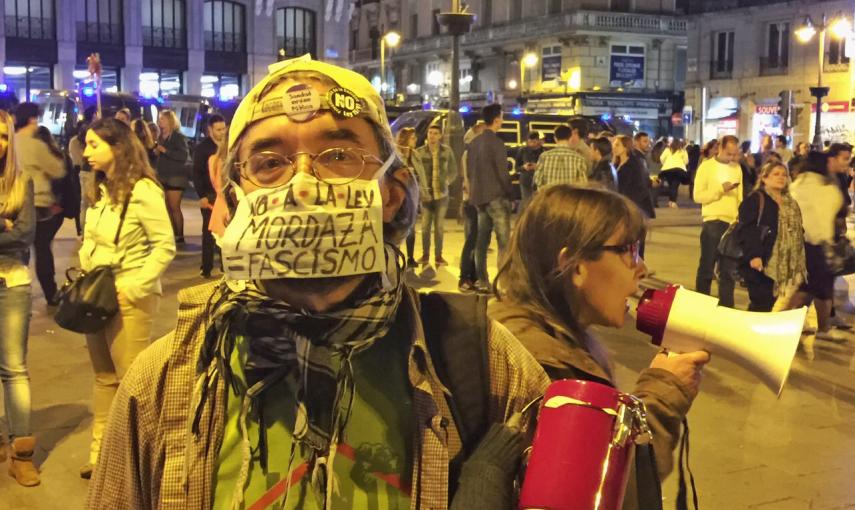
{"x": 304, "y": 379}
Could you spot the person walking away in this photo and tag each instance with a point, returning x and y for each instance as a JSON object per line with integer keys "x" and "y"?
{"x": 17, "y": 232}
{"x": 839, "y": 157}
{"x": 42, "y": 164}
{"x": 782, "y": 150}
{"x": 578, "y": 140}
{"x": 526, "y": 162}
{"x": 573, "y": 263}
{"x": 440, "y": 169}
{"x": 406, "y": 140}
{"x": 147, "y": 139}
{"x": 694, "y": 151}
{"x": 766, "y": 150}
{"x": 561, "y": 164}
{"x": 124, "y": 184}
{"x": 172, "y": 154}
{"x": 215, "y": 131}
{"x": 674, "y": 160}
{"x": 771, "y": 238}
{"x": 603, "y": 171}
{"x": 75, "y": 152}
{"x": 717, "y": 189}
{"x": 490, "y": 190}
{"x": 214, "y": 405}
{"x": 633, "y": 182}
{"x": 654, "y": 168}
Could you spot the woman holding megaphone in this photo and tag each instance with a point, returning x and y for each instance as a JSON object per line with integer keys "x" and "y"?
{"x": 573, "y": 263}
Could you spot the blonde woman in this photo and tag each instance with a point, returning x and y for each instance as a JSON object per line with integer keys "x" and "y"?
{"x": 144, "y": 250}
{"x": 17, "y": 231}
{"x": 172, "y": 168}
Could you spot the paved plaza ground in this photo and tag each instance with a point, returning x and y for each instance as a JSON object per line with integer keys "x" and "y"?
{"x": 749, "y": 450}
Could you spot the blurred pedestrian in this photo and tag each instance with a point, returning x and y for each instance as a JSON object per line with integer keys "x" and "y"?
{"x": 526, "y": 162}
{"x": 674, "y": 160}
{"x": 579, "y": 140}
{"x": 406, "y": 140}
{"x": 124, "y": 115}
{"x": 603, "y": 171}
{"x": 561, "y": 164}
{"x": 717, "y": 189}
{"x": 17, "y": 232}
{"x": 439, "y": 166}
{"x": 43, "y": 164}
{"x": 782, "y": 150}
{"x": 216, "y": 132}
{"x": 633, "y": 181}
{"x": 694, "y": 152}
{"x": 709, "y": 150}
{"x": 172, "y": 171}
{"x": 147, "y": 139}
{"x": 81, "y": 169}
{"x": 128, "y": 227}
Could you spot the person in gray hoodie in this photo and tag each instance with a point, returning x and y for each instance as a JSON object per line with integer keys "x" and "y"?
{"x": 40, "y": 164}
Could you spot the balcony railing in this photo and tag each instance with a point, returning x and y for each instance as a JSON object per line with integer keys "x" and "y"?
{"x": 29, "y": 28}
{"x": 773, "y": 66}
{"x": 104, "y": 33}
{"x": 224, "y": 41}
{"x": 158, "y": 37}
{"x": 835, "y": 67}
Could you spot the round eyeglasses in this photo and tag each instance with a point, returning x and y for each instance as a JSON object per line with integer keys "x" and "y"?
{"x": 333, "y": 166}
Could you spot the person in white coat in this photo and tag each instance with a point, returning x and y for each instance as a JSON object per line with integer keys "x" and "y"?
{"x": 124, "y": 181}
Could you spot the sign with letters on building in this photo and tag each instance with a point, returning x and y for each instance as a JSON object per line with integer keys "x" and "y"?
{"x": 626, "y": 68}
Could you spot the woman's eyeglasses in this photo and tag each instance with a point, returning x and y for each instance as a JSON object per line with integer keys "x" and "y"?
{"x": 632, "y": 249}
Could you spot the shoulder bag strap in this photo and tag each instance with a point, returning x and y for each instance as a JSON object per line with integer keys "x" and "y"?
{"x": 762, "y": 204}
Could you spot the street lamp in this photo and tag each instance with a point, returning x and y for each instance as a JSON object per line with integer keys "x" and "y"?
{"x": 840, "y": 27}
{"x": 528, "y": 60}
{"x": 392, "y": 39}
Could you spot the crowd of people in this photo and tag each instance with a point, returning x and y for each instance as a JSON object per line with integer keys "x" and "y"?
{"x": 323, "y": 384}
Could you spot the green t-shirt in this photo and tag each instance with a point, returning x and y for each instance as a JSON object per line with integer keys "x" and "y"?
{"x": 373, "y": 463}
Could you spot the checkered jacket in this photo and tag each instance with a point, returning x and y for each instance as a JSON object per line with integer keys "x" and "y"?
{"x": 561, "y": 165}
{"x": 150, "y": 459}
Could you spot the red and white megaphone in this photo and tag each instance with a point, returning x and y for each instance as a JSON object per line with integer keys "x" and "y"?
{"x": 581, "y": 454}
{"x": 683, "y": 321}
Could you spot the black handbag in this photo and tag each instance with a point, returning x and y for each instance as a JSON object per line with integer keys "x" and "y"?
{"x": 730, "y": 245}
{"x": 89, "y": 300}
{"x": 840, "y": 257}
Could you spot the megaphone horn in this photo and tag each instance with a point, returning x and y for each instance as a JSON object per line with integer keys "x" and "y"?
{"x": 683, "y": 321}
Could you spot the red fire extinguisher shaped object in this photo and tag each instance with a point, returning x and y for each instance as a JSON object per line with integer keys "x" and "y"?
{"x": 582, "y": 447}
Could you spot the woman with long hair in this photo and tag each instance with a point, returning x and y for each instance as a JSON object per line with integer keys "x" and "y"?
{"x": 172, "y": 169}
{"x": 406, "y": 140}
{"x": 675, "y": 160}
{"x": 632, "y": 181}
{"x": 124, "y": 184}
{"x": 17, "y": 231}
{"x": 149, "y": 142}
{"x": 573, "y": 263}
{"x": 709, "y": 150}
{"x": 772, "y": 239}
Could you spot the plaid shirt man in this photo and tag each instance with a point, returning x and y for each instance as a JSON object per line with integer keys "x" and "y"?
{"x": 560, "y": 165}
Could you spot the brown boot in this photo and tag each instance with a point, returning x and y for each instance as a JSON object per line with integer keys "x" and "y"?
{"x": 21, "y": 467}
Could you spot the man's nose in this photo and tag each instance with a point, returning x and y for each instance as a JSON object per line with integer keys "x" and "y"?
{"x": 302, "y": 162}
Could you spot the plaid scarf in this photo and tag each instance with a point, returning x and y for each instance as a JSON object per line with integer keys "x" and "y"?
{"x": 317, "y": 346}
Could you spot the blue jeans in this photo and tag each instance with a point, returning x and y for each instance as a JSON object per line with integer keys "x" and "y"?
{"x": 470, "y": 233}
{"x": 433, "y": 215}
{"x": 14, "y": 329}
{"x": 495, "y": 215}
{"x": 526, "y": 188}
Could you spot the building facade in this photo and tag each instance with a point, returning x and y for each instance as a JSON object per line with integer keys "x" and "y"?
{"x": 604, "y": 57}
{"x": 155, "y": 47}
{"x": 744, "y": 53}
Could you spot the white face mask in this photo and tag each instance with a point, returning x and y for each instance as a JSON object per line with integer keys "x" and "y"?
{"x": 307, "y": 229}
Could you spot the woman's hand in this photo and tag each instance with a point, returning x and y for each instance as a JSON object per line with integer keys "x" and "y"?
{"x": 686, "y": 367}
{"x": 756, "y": 264}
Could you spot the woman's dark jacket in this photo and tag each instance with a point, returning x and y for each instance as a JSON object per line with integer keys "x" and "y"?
{"x": 603, "y": 173}
{"x": 634, "y": 183}
{"x": 172, "y": 167}
{"x": 754, "y": 243}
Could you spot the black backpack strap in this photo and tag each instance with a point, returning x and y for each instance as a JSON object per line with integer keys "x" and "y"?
{"x": 456, "y": 329}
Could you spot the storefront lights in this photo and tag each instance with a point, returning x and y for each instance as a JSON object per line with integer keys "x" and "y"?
{"x": 15, "y": 70}
{"x": 435, "y": 78}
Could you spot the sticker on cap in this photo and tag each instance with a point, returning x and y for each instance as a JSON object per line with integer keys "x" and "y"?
{"x": 344, "y": 103}
{"x": 301, "y": 102}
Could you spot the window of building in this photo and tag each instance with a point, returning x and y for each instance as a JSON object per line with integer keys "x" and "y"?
{"x": 224, "y": 26}
{"x": 435, "y": 22}
{"x": 553, "y": 6}
{"x": 626, "y": 68}
{"x": 223, "y": 86}
{"x": 778, "y": 47}
{"x": 101, "y": 22}
{"x": 516, "y": 9}
{"x": 836, "y": 55}
{"x": 158, "y": 82}
{"x": 164, "y": 24}
{"x": 487, "y": 13}
{"x": 30, "y": 19}
{"x": 109, "y": 79}
{"x": 354, "y": 39}
{"x": 414, "y": 26}
{"x": 295, "y": 31}
{"x": 466, "y": 79}
{"x": 26, "y": 81}
{"x": 621, "y": 5}
{"x": 722, "y": 54}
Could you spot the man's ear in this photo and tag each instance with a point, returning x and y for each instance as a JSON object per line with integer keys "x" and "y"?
{"x": 393, "y": 193}
{"x": 578, "y": 273}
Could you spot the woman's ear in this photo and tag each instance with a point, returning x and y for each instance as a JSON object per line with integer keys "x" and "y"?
{"x": 578, "y": 272}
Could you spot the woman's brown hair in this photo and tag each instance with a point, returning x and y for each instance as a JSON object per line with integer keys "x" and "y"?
{"x": 562, "y": 216}
{"x": 627, "y": 144}
{"x": 677, "y": 145}
{"x": 172, "y": 119}
{"x": 130, "y": 160}
{"x": 764, "y": 172}
{"x": 140, "y": 128}
{"x": 12, "y": 185}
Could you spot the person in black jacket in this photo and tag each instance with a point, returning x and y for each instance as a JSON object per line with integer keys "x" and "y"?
{"x": 633, "y": 181}
{"x": 216, "y": 132}
{"x": 603, "y": 172}
{"x": 759, "y": 215}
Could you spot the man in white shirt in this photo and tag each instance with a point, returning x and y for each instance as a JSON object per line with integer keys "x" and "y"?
{"x": 717, "y": 189}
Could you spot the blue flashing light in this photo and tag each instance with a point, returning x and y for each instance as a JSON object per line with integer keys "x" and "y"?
{"x": 465, "y": 109}
{"x": 88, "y": 91}
{"x": 627, "y": 118}
{"x": 3, "y": 87}
{"x": 427, "y": 106}
{"x": 606, "y": 117}
{"x": 516, "y": 111}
